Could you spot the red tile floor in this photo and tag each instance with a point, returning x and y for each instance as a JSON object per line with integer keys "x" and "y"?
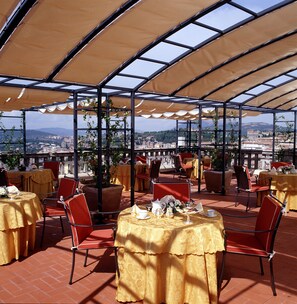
{"x": 43, "y": 276}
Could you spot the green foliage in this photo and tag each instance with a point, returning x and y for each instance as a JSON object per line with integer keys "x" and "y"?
{"x": 112, "y": 144}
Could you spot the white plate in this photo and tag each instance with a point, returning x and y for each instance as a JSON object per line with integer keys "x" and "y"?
{"x": 140, "y": 218}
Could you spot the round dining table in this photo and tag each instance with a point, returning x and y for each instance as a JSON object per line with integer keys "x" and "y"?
{"x": 39, "y": 181}
{"x": 18, "y": 218}
{"x": 121, "y": 175}
{"x": 284, "y": 186}
{"x": 164, "y": 260}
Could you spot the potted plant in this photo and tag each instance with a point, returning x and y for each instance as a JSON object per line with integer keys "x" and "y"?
{"x": 113, "y": 147}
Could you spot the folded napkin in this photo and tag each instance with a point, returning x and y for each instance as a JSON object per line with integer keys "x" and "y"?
{"x": 156, "y": 205}
{"x": 135, "y": 209}
{"x": 199, "y": 207}
{"x": 273, "y": 170}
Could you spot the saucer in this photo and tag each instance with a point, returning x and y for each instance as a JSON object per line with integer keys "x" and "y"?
{"x": 206, "y": 214}
{"x": 139, "y": 218}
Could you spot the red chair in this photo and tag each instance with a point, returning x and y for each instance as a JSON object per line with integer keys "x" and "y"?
{"x": 52, "y": 206}
{"x": 258, "y": 242}
{"x": 84, "y": 237}
{"x": 154, "y": 171}
{"x": 180, "y": 191}
{"x": 244, "y": 184}
{"x": 55, "y": 167}
{"x": 186, "y": 168}
{"x": 280, "y": 164}
{"x": 141, "y": 158}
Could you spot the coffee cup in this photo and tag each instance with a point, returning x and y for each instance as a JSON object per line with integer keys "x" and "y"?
{"x": 210, "y": 212}
{"x": 142, "y": 214}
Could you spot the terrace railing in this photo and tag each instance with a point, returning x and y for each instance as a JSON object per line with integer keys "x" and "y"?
{"x": 254, "y": 159}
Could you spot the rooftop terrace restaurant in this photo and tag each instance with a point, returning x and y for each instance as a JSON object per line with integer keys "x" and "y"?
{"x": 158, "y": 59}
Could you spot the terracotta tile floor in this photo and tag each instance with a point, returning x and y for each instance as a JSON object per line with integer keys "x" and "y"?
{"x": 43, "y": 276}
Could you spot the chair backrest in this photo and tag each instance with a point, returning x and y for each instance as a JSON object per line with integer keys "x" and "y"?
{"x": 67, "y": 187}
{"x": 243, "y": 177}
{"x": 184, "y": 155}
{"x": 280, "y": 164}
{"x": 55, "y": 166}
{"x": 206, "y": 161}
{"x": 268, "y": 218}
{"x": 3, "y": 178}
{"x": 177, "y": 164}
{"x": 155, "y": 168}
{"x": 180, "y": 191}
{"x": 141, "y": 158}
{"x": 77, "y": 213}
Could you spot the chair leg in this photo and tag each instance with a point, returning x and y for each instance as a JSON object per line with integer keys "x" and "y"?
{"x": 272, "y": 278}
{"x": 86, "y": 257}
{"x": 62, "y": 226}
{"x": 42, "y": 234}
{"x": 248, "y": 203}
{"x": 72, "y": 267}
{"x": 236, "y": 202}
{"x": 261, "y": 266}
{"x": 222, "y": 273}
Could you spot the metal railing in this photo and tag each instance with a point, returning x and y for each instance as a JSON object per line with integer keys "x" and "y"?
{"x": 254, "y": 159}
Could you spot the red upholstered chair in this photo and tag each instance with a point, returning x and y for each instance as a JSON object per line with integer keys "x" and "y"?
{"x": 186, "y": 168}
{"x": 181, "y": 191}
{"x": 84, "y": 237}
{"x": 258, "y": 242}
{"x": 52, "y": 206}
{"x": 141, "y": 158}
{"x": 280, "y": 164}
{"x": 153, "y": 172}
{"x": 55, "y": 167}
{"x": 244, "y": 184}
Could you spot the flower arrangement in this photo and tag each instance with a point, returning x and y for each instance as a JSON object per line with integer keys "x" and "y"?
{"x": 3, "y": 192}
{"x": 170, "y": 201}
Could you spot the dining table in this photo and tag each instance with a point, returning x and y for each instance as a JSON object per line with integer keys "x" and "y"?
{"x": 121, "y": 175}
{"x": 165, "y": 260}
{"x": 38, "y": 181}
{"x": 284, "y": 185}
{"x": 18, "y": 218}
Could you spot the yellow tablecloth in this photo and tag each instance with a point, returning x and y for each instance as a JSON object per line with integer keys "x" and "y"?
{"x": 38, "y": 181}
{"x": 17, "y": 225}
{"x": 121, "y": 175}
{"x": 285, "y": 187}
{"x": 165, "y": 261}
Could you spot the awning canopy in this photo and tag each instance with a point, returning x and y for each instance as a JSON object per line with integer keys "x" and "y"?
{"x": 186, "y": 52}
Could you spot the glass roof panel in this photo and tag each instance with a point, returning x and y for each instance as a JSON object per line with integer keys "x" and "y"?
{"x": 124, "y": 82}
{"x": 293, "y": 73}
{"x": 164, "y": 52}
{"x": 142, "y": 68}
{"x": 258, "y": 89}
{"x": 241, "y": 98}
{"x": 74, "y": 87}
{"x": 192, "y": 35}
{"x": 224, "y": 17}
{"x": 48, "y": 85}
{"x": 258, "y": 6}
{"x": 278, "y": 80}
{"x": 20, "y": 81}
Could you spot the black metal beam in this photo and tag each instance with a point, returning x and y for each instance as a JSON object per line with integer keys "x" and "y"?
{"x": 15, "y": 20}
{"x": 90, "y": 36}
{"x": 232, "y": 59}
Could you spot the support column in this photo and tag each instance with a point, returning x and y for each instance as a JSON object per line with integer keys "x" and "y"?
{"x": 132, "y": 147}
{"x": 75, "y": 149}
{"x": 224, "y": 148}
{"x": 99, "y": 145}
{"x": 24, "y": 138}
{"x": 273, "y": 137}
